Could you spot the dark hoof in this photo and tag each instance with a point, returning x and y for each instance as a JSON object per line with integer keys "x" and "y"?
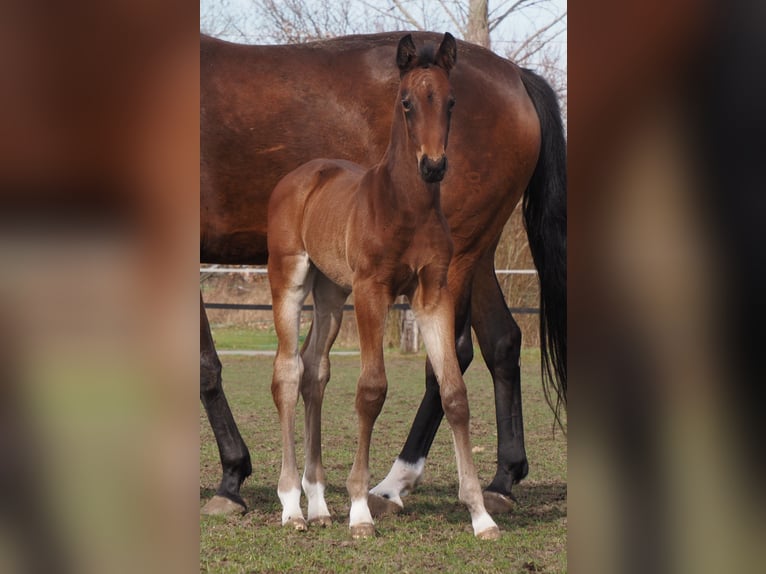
{"x": 298, "y": 524}
{"x": 497, "y": 503}
{"x": 321, "y": 521}
{"x": 380, "y": 506}
{"x": 492, "y": 533}
{"x": 365, "y": 530}
{"x": 220, "y": 505}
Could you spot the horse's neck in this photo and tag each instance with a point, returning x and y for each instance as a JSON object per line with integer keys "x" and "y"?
{"x": 406, "y": 190}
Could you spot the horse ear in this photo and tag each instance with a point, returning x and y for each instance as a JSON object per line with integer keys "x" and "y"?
{"x": 446, "y": 56}
{"x": 405, "y": 54}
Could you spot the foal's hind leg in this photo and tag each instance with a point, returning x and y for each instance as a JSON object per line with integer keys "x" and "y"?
{"x": 435, "y": 315}
{"x": 328, "y": 314}
{"x": 290, "y": 278}
{"x": 371, "y": 302}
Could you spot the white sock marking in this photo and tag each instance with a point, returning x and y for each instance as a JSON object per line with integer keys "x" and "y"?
{"x": 401, "y": 479}
{"x": 359, "y": 513}
{"x": 482, "y": 522}
{"x": 315, "y": 494}
{"x": 291, "y": 504}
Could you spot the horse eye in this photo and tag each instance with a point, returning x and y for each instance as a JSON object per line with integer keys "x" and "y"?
{"x": 450, "y": 104}
{"x": 407, "y": 105}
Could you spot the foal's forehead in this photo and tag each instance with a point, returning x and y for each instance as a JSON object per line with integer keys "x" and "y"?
{"x": 427, "y": 81}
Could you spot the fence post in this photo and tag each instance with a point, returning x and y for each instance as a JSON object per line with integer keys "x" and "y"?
{"x": 409, "y": 341}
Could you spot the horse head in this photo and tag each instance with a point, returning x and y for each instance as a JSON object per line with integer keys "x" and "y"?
{"x": 427, "y": 100}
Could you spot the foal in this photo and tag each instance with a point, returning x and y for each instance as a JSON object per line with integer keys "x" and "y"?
{"x": 335, "y": 227}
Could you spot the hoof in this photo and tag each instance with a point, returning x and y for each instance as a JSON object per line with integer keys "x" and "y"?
{"x": 220, "y": 505}
{"x": 380, "y": 506}
{"x": 489, "y": 534}
{"x": 365, "y": 530}
{"x": 297, "y": 524}
{"x": 321, "y": 521}
{"x": 497, "y": 503}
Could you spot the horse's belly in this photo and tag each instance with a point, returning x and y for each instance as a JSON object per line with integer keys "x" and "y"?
{"x": 327, "y": 210}
{"x": 324, "y": 238}
{"x": 338, "y": 274}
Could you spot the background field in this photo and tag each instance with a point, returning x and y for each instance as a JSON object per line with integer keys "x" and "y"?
{"x": 433, "y": 533}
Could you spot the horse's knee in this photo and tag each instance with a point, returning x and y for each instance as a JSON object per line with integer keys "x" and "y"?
{"x": 286, "y": 379}
{"x": 314, "y": 380}
{"x": 209, "y": 375}
{"x": 455, "y": 404}
{"x": 507, "y": 348}
{"x": 371, "y": 394}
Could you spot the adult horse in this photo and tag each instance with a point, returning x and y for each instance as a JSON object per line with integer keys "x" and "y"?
{"x": 265, "y": 110}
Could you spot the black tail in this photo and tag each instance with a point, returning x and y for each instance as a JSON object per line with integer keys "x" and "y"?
{"x": 545, "y": 217}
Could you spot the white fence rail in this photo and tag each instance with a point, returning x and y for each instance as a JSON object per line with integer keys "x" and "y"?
{"x": 264, "y": 271}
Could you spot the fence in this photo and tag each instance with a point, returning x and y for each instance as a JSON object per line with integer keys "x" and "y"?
{"x": 409, "y": 335}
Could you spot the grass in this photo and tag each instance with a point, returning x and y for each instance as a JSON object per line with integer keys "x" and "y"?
{"x": 434, "y": 532}
{"x": 256, "y": 337}
{"x": 246, "y": 338}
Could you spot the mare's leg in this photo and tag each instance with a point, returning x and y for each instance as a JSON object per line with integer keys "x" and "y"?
{"x": 235, "y": 459}
{"x": 371, "y": 302}
{"x": 500, "y": 341}
{"x": 290, "y": 277}
{"x": 408, "y": 467}
{"x": 435, "y": 315}
{"x": 328, "y": 314}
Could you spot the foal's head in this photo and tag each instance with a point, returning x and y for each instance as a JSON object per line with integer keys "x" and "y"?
{"x": 426, "y": 101}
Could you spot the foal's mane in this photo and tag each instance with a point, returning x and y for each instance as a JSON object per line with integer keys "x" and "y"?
{"x": 426, "y": 56}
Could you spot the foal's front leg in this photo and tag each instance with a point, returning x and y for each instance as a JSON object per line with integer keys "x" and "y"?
{"x": 435, "y": 316}
{"x": 371, "y": 302}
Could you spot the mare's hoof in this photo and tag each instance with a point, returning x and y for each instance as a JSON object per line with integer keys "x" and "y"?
{"x": 380, "y": 506}
{"x": 220, "y": 505}
{"x": 492, "y": 533}
{"x": 497, "y": 503}
{"x": 322, "y": 521}
{"x": 365, "y": 530}
{"x": 298, "y": 524}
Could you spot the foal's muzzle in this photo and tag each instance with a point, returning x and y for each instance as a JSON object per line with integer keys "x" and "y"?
{"x": 432, "y": 171}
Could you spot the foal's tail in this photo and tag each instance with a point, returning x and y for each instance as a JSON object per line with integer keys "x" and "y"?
{"x": 545, "y": 216}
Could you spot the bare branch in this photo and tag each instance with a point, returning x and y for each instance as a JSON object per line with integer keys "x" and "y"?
{"x": 409, "y": 18}
{"x": 516, "y": 54}
{"x": 458, "y": 25}
{"x": 387, "y": 13}
{"x": 493, "y": 22}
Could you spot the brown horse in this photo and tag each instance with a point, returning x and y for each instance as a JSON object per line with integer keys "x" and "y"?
{"x": 333, "y": 228}
{"x": 265, "y": 110}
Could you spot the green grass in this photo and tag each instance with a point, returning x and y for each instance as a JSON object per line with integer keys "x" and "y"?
{"x": 259, "y": 338}
{"x": 230, "y": 337}
{"x": 433, "y": 534}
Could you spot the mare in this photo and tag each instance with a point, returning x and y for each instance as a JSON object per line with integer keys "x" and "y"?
{"x": 335, "y": 227}
{"x": 265, "y": 110}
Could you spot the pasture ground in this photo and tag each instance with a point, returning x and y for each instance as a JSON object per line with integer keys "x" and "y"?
{"x": 433, "y": 534}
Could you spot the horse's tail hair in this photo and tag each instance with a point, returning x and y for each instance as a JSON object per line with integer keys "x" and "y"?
{"x": 545, "y": 217}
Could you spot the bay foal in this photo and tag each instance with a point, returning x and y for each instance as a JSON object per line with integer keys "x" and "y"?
{"x": 335, "y": 228}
